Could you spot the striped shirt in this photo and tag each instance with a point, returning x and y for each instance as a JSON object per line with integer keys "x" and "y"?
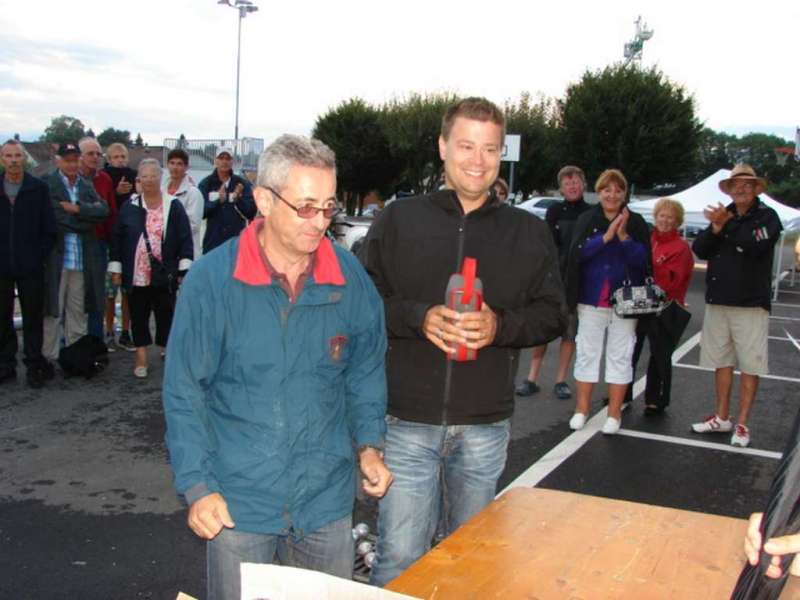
{"x": 73, "y": 248}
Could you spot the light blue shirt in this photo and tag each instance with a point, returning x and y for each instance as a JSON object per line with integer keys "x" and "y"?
{"x": 73, "y": 248}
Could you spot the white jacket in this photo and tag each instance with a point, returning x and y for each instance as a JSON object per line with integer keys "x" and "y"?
{"x": 193, "y": 204}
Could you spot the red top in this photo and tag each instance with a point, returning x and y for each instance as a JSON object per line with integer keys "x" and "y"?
{"x": 673, "y": 263}
{"x": 105, "y": 189}
{"x": 251, "y": 268}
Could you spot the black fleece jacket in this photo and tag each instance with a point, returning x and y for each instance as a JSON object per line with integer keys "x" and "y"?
{"x": 411, "y": 250}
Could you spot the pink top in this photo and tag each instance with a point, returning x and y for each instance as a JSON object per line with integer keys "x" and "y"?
{"x": 154, "y": 223}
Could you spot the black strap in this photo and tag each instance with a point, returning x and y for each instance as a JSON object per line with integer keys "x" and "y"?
{"x": 147, "y": 240}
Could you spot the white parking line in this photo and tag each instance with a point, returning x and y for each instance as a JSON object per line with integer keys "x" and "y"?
{"x": 573, "y": 442}
{"x": 785, "y": 305}
{"x": 784, "y": 318}
{"x": 709, "y": 369}
{"x": 699, "y": 444}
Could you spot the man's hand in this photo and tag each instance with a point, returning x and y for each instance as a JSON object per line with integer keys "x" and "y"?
{"x": 124, "y": 186}
{"x": 377, "y": 478}
{"x": 718, "y": 215}
{"x": 223, "y": 194}
{"x": 237, "y": 191}
{"x": 70, "y": 208}
{"x": 479, "y": 327}
{"x": 116, "y": 278}
{"x": 788, "y": 544}
{"x": 440, "y": 327}
{"x": 209, "y": 515}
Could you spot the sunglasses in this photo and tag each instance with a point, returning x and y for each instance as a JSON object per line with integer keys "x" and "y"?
{"x": 308, "y": 211}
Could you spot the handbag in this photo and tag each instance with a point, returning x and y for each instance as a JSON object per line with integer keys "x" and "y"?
{"x": 160, "y": 276}
{"x": 632, "y": 301}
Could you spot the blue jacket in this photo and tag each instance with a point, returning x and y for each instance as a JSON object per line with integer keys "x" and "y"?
{"x": 177, "y": 249}
{"x": 27, "y": 229}
{"x": 225, "y": 220}
{"x": 266, "y": 401}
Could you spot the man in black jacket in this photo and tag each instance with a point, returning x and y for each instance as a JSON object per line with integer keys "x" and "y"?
{"x": 28, "y": 231}
{"x": 448, "y": 421}
{"x": 739, "y": 245}
{"x": 561, "y": 219}
{"x": 229, "y": 203}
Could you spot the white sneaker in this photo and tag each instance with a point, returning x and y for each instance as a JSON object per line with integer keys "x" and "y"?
{"x": 611, "y": 426}
{"x": 713, "y": 424}
{"x": 577, "y": 421}
{"x": 741, "y": 436}
{"x": 140, "y": 372}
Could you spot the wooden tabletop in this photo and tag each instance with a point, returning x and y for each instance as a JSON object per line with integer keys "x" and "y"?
{"x": 538, "y": 543}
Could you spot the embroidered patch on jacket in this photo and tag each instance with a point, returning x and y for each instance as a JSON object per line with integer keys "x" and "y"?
{"x": 336, "y": 347}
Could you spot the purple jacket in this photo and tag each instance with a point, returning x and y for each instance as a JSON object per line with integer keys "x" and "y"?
{"x": 604, "y": 267}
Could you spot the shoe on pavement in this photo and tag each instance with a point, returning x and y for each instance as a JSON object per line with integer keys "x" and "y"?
{"x": 713, "y": 424}
{"x": 653, "y": 410}
{"x": 527, "y": 388}
{"x": 741, "y": 436}
{"x": 140, "y": 372}
{"x": 35, "y": 377}
{"x": 47, "y": 370}
{"x": 562, "y": 391}
{"x": 110, "y": 343}
{"x": 125, "y": 342}
{"x": 577, "y": 421}
{"x": 611, "y": 426}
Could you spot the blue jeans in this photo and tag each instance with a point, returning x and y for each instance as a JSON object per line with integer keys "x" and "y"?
{"x": 329, "y": 550}
{"x": 443, "y": 475}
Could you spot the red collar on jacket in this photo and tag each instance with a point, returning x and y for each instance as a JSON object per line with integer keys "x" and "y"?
{"x": 662, "y": 238}
{"x": 250, "y": 268}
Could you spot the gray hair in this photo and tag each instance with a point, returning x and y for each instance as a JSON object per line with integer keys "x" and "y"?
{"x": 290, "y": 150}
{"x": 148, "y": 162}
{"x": 88, "y": 139}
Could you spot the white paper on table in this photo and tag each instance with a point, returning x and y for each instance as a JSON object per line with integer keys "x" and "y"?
{"x": 274, "y": 582}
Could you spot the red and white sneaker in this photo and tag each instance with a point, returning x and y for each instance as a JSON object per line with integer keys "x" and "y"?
{"x": 713, "y": 424}
{"x": 741, "y": 436}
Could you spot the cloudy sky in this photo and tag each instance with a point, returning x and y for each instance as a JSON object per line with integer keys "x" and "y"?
{"x": 168, "y": 67}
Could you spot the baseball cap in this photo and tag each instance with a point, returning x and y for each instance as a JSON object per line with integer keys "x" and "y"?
{"x": 224, "y": 150}
{"x": 68, "y": 148}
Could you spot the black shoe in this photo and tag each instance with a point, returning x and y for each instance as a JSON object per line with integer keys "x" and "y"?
{"x": 7, "y": 374}
{"x": 35, "y": 377}
{"x": 651, "y": 410}
{"x": 125, "y": 342}
{"x": 527, "y": 388}
{"x": 562, "y": 391}
{"x": 47, "y": 370}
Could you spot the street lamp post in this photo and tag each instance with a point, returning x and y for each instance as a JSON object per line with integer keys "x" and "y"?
{"x": 244, "y": 7}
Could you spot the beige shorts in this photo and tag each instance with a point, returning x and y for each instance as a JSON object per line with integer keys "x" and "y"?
{"x": 735, "y": 335}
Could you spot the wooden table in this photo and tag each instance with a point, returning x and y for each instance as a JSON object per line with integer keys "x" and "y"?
{"x": 538, "y": 543}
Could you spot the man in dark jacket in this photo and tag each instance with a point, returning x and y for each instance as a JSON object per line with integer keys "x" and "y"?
{"x": 561, "y": 219}
{"x": 28, "y": 230}
{"x": 229, "y": 202}
{"x": 449, "y": 421}
{"x": 738, "y": 245}
{"x": 74, "y": 276}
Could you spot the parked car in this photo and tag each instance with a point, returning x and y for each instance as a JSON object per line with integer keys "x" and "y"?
{"x": 349, "y": 231}
{"x": 538, "y": 205}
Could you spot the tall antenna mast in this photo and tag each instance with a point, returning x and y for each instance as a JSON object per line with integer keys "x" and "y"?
{"x": 633, "y": 49}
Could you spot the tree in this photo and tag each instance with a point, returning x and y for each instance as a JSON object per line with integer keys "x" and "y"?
{"x": 63, "y": 129}
{"x": 114, "y": 136}
{"x": 363, "y": 160}
{"x": 540, "y": 142}
{"x": 139, "y": 141}
{"x": 633, "y": 119}
{"x": 412, "y": 127}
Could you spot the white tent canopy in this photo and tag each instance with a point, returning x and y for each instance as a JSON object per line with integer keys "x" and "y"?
{"x": 706, "y": 192}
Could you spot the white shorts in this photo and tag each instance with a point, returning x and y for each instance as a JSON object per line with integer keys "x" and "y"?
{"x": 735, "y": 335}
{"x": 593, "y": 322}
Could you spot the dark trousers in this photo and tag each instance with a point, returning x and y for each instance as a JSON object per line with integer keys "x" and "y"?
{"x": 31, "y": 299}
{"x": 144, "y": 301}
{"x": 659, "y": 367}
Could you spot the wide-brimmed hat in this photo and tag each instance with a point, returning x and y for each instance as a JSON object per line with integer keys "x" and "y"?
{"x": 746, "y": 172}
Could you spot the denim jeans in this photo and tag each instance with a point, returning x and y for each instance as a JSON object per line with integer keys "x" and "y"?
{"x": 329, "y": 550}
{"x": 448, "y": 468}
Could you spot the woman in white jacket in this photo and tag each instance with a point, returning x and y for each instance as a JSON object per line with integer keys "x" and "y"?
{"x": 180, "y": 185}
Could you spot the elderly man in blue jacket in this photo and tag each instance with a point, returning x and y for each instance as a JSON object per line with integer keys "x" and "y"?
{"x": 275, "y": 381}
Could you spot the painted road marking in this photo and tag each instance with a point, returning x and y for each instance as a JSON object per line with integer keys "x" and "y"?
{"x": 699, "y": 444}
{"x": 709, "y": 369}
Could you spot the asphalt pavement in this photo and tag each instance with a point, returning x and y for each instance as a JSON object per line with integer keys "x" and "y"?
{"x": 88, "y": 511}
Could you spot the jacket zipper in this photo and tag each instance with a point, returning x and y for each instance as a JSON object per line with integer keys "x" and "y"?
{"x": 448, "y": 372}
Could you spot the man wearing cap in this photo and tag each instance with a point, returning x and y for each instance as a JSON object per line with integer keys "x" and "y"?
{"x": 229, "y": 204}
{"x": 28, "y": 231}
{"x": 74, "y": 275}
{"x": 738, "y": 245}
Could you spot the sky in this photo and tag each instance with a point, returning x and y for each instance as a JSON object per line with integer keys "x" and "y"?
{"x": 169, "y": 67}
